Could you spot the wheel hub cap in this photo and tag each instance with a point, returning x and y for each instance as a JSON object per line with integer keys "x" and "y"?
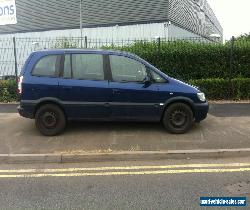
{"x": 49, "y": 119}
{"x": 178, "y": 118}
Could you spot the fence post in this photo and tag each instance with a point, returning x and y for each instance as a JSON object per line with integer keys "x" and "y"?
{"x": 159, "y": 43}
{"x": 231, "y": 68}
{"x": 159, "y": 48}
{"x": 15, "y": 59}
{"x": 231, "y": 57}
{"x": 86, "y": 42}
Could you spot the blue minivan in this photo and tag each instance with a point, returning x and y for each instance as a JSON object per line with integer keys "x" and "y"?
{"x": 57, "y": 86}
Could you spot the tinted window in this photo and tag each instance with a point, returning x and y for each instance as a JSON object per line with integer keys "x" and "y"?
{"x": 87, "y": 66}
{"x": 157, "y": 78}
{"x": 47, "y": 66}
{"x": 126, "y": 69}
{"x": 67, "y": 67}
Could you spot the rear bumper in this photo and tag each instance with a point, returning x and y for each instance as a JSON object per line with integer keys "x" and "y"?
{"x": 26, "y": 111}
{"x": 201, "y": 111}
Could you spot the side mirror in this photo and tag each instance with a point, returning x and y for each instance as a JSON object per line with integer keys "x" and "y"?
{"x": 147, "y": 80}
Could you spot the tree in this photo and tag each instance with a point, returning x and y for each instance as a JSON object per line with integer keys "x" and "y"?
{"x": 243, "y": 37}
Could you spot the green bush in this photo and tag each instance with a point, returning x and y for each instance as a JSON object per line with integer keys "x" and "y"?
{"x": 8, "y": 91}
{"x": 204, "y": 65}
{"x": 216, "y": 89}
{"x": 187, "y": 60}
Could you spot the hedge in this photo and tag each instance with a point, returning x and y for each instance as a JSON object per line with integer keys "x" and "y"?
{"x": 8, "y": 90}
{"x": 187, "y": 60}
{"x": 215, "y": 89}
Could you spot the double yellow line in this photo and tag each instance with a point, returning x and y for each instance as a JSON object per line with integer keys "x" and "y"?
{"x": 126, "y": 170}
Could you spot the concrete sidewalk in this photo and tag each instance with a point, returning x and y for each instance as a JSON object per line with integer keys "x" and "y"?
{"x": 19, "y": 136}
{"x": 225, "y": 133}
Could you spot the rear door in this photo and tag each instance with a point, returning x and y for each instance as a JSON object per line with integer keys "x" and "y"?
{"x": 42, "y": 81}
{"x": 131, "y": 98}
{"x": 83, "y": 86}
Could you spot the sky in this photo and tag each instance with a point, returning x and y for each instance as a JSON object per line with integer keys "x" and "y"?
{"x": 233, "y": 15}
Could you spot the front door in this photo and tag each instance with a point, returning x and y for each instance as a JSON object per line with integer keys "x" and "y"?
{"x": 132, "y": 99}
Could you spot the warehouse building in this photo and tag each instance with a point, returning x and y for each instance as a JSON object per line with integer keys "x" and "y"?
{"x": 36, "y": 24}
{"x": 114, "y": 19}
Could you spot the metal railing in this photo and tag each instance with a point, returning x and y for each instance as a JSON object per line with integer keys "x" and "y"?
{"x": 15, "y": 51}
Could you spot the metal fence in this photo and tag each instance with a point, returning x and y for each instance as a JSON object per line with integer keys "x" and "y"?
{"x": 14, "y": 51}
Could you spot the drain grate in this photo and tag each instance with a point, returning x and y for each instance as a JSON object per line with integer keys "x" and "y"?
{"x": 241, "y": 188}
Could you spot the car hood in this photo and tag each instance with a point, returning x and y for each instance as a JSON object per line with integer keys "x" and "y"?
{"x": 183, "y": 86}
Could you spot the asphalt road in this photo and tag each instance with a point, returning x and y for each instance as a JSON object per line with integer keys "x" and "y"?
{"x": 217, "y": 110}
{"x": 90, "y": 186}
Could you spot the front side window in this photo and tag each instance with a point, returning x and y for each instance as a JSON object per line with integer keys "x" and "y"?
{"x": 47, "y": 66}
{"x": 157, "y": 78}
{"x": 127, "y": 70}
{"x": 86, "y": 66}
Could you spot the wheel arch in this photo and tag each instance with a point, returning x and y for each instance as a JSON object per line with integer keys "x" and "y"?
{"x": 49, "y": 101}
{"x": 174, "y": 100}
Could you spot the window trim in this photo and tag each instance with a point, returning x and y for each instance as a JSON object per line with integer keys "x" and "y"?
{"x": 71, "y": 66}
{"x": 63, "y": 66}
{"x": 111, "y": 75}
{"x": 57, "y": 67}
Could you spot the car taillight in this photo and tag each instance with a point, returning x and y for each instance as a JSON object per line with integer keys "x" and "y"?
{"x": 20, "y": 81}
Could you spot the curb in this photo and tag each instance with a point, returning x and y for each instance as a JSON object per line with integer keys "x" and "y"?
{"x": 11, "y": 103}
{"x": 122, "y": 156}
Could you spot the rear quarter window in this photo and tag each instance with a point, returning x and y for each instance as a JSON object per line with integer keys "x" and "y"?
{"x": 47, "y": 66}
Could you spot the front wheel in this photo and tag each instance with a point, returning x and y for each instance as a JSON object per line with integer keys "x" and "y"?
{"x": 178, "y": 118}
{"x": 50, "y": 120}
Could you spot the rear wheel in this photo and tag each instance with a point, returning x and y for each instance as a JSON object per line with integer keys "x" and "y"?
{"x": 178, "y": 118}
{"x": 50, "y": 120}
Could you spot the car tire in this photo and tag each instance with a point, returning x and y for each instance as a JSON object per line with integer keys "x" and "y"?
{"x": 178, "y": 118}
{"x": 50, "y": 120}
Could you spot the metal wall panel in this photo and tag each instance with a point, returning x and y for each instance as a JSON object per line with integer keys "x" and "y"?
{"x": 33, "y": 15}
{"x": 194, "y": 15}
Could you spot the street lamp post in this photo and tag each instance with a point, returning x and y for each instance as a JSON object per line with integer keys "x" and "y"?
{"x": 81, "y": 20}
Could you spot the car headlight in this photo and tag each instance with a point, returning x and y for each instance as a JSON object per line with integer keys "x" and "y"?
{"x": 201, "y": 96}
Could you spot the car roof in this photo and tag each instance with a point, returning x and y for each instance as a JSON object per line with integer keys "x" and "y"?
{"x": 94, "y": 51}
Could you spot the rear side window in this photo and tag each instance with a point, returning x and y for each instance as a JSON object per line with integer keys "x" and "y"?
{"x": 47, "y": 66}
{"x": 84, "y": 66}
{"x": 67, "y": 67}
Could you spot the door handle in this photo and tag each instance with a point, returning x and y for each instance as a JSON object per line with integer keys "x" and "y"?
{"x": 115, "y": 91}
{"x": 66, "y": 88}
{"x": 106, "y": 105}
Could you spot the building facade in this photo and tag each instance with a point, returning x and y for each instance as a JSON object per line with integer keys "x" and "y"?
{"x": 114, "y": 19}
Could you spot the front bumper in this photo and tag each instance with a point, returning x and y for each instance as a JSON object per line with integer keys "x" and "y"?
{"x": 201, "y": 111}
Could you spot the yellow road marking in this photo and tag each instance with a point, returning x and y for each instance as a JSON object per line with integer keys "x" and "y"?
{"x": 126, "y": 173}
{"x": 124, "y": 168}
